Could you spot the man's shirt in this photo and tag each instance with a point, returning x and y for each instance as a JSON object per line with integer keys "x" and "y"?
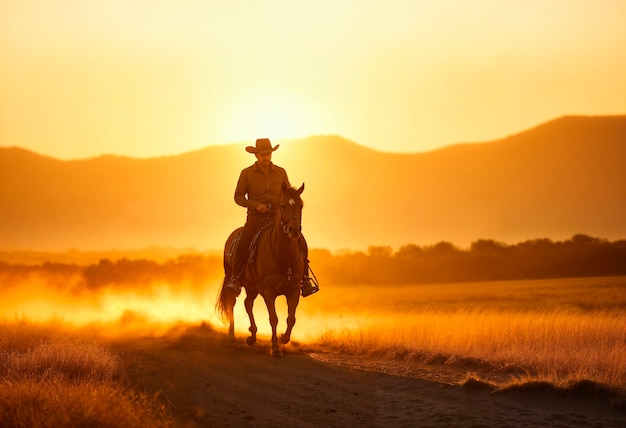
{"x": 255, "y": 187}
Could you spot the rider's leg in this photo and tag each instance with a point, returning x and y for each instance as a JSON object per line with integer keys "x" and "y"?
{"x": 240, "y": 258}
{"x": 239, "y": 263}
{"x": 307, "y": 287}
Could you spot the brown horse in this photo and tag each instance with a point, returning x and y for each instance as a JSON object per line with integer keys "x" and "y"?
{"x": 276, "y": 270}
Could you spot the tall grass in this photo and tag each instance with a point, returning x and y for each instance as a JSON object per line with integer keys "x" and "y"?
{"x": 49, "y": 377}
{"x": 554, "y": 330}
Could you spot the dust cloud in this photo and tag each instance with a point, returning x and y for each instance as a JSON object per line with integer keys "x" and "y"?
{"x": 118, "y": 297}
{"x": 147, "y": 297}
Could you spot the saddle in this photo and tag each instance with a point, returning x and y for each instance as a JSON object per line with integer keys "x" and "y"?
{"x": 253, "y": 243}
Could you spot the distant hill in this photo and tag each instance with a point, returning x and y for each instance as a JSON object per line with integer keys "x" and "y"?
{"x": 563, "y": 177}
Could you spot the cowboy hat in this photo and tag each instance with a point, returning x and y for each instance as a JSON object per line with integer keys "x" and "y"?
{"x": 263, "y": 145}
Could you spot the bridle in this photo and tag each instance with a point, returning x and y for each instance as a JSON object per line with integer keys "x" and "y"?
{"x": 285, "y": 222}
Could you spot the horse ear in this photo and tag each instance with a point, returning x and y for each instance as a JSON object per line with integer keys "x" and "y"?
{"x": 301, "y": 189}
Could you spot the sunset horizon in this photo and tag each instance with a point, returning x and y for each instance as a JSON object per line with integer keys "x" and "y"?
{"x": 113, "y": 77}
{"x": 523, "y": 186}
{"x": 244, "y": 143}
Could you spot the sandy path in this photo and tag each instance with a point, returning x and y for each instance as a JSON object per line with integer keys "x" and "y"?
{"x": 209, "y": 381}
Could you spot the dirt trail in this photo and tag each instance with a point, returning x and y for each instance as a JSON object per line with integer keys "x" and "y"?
{"x": 209, "y": 381}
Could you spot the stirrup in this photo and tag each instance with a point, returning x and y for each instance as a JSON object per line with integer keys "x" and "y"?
{"x": 308, "y": 288}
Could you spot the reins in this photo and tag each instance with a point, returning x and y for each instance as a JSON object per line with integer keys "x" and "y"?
{"x": 287, "y": 267}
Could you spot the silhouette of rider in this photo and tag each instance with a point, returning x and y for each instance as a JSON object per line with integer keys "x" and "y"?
{"x": 258, "y": 189}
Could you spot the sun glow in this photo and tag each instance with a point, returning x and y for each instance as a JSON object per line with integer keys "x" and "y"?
{"x": 273, "y": 113}
{"x": 132, "y": 78}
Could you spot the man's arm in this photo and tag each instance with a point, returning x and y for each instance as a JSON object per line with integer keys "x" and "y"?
{"x": 241, "y": 191}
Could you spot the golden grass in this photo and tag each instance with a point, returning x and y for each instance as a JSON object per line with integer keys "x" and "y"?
{"x": 49, "y": 377}
{"x": 554, "y": 330}
{"x": 558, "y": 330}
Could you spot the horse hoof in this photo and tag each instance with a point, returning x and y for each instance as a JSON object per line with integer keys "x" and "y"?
{"x": 251, "y": 340}
{"x": 277, "y": 353}
{"x": 284, "y": 339}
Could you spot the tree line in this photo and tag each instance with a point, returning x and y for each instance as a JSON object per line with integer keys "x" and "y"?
{"x": 485, "y": 260}
{"x": 192, "y": 269}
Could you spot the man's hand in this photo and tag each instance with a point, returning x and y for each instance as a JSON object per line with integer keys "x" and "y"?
{"x": 262, "y": 208}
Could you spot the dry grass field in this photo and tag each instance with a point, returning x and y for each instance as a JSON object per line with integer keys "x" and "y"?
{"x": 69, "y": 372}
{"x": 51, "y": 377}
{"x": 556, "y": 330}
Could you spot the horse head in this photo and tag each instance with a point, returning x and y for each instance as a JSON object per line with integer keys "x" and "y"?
{"x": 290, "y": 210}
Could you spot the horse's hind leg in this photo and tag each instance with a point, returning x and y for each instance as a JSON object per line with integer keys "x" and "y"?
{"x": 249, "y": 303}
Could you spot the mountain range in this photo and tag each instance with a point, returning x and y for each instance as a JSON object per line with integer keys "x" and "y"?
{"x": 563, "y": 177}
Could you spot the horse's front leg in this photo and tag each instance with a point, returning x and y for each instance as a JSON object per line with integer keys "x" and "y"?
{"x": 292, "y": 304}
{"x": 271, "y": 310}
{"x": 249, "y": 303}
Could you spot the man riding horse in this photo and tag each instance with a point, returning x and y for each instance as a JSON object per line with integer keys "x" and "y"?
{"x": 258, "y": 189}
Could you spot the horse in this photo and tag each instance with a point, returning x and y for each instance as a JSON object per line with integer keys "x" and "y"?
{"x": 277, "y": 269}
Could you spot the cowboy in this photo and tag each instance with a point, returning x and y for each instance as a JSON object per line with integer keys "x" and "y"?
{"x": 258, "y": 189}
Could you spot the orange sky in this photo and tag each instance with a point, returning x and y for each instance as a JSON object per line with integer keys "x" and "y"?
{"x": 146, "y": 78}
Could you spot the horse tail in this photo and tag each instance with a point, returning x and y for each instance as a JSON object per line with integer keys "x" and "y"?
{"x": 225, "y": 303}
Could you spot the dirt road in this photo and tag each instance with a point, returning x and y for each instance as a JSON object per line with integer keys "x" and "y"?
{"x": 210, "y": 381}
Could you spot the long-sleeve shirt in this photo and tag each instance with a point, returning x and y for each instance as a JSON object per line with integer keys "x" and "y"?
{"x": 255, "y": 187}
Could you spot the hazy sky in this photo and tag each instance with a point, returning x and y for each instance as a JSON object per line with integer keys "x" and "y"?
{"x": 147, "y": 77}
